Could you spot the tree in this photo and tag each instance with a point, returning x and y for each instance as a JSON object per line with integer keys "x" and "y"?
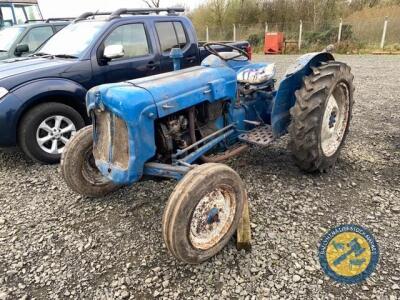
{"x": 152, "y": 3}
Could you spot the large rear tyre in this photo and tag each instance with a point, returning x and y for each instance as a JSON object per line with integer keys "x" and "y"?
{"x": 203, "y": 212}
{"x": 321, "y": 116}
{"x": 78, "y": 167}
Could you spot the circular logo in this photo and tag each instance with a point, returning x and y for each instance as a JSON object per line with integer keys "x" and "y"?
{"x": 348, "y": 253}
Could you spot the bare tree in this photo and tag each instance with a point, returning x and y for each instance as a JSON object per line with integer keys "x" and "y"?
{"x": 152, "y": 3}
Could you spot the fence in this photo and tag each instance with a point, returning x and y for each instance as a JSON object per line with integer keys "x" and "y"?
{"x": 348, "y": 35}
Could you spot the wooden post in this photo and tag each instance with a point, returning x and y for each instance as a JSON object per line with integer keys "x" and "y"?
{"x": 234, "y": 32}
{"x": 244, "y": 229}
{"x": 207, "y": 37}
{"x": 340, "y": 30}
{"x": 300, "y": 33}
{"x": 384, "y": 32}
{"x": 266, "y": 27}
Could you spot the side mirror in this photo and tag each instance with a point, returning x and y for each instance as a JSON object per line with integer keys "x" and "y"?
{"x": 113, "y": 52}
{"x": 21, "y": 48}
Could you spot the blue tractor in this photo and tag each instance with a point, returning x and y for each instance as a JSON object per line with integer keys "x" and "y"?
{"x": 183, "y": 124}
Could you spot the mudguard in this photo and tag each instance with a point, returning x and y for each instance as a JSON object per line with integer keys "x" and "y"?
{"x": 285, "y": 97}
{"x": 40, "y": 88}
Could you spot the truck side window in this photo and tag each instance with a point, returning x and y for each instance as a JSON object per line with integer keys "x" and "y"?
{"x": 7, "y": 15}
{"x": 59, "y": 27}
{"x": 32, "y": 11}
{"x": 19, "y": 15}
{"x": 37, "y": 36}
{"x": 180, "y": 32}
{"x": 132, "y": 37}
{"x": 171, "y": 35}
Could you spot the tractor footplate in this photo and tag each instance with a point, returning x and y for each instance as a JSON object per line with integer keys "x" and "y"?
{"x": 261, "y": 136}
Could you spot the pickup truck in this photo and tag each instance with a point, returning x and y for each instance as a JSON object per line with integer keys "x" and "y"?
{"x": 42, "y": 97}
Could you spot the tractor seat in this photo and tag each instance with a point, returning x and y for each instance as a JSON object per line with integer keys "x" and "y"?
{"x": 256, "y": 73}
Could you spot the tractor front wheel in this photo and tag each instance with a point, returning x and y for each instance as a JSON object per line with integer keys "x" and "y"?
{"x": 79, "y": 169}
{"x": 203, "y": 212}
{"x": 321, "y": 116}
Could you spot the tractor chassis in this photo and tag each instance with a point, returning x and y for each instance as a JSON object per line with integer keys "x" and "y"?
{"x": 182, "y": 159}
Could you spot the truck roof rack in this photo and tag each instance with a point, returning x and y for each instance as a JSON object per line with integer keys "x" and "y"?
{"x": 86, "y": 15}
{"x": 58, "y": 19}
{"x": 49, "y": 20}
{"x": 144, "y": 11}
{"x": 130, "y": 11}
{"x": 35, "y": 20}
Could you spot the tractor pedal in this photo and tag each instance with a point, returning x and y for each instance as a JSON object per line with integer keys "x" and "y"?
{"x": 261, "y": 136}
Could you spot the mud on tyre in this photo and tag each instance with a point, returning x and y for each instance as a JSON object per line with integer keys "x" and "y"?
{"x": 321, "y": 116}
{"x": 78, "y": 167}
{"x": 203, "y": 212}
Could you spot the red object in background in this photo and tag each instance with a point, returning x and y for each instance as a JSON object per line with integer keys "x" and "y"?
{"x": 249, "y": 51}
{"x": 273, "y": 43}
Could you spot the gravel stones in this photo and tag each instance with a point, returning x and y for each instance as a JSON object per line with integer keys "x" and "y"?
{"x": 55, "y": 244}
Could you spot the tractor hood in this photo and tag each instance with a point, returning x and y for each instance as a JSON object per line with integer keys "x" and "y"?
{"x": 179, "y": 90}
{"x": 15, "y": 72}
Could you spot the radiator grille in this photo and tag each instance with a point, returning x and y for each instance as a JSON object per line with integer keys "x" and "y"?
{"x": 111, "y": 140}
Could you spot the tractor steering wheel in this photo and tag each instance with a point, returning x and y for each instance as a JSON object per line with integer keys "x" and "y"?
{"x": 208, "y": 47}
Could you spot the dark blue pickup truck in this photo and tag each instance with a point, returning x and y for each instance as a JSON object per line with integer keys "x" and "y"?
{"x": 42, "y": 96}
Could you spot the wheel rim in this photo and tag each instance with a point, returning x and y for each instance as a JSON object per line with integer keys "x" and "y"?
{"x": 212, "y": 218}
{"x": 335, "y": 119}
{"x": 90, "y": 172}
{"x": 54, "y": 133}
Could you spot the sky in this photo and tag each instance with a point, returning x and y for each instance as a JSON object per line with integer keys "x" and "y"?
{"x": 73, "y": 8}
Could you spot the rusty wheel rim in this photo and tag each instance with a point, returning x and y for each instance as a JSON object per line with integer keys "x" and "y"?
{"x": 212, "y": 218}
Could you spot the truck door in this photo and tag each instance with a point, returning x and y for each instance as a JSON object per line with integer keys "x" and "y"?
{"x": 172, "y": 34}
{"x": 138, "y": 61}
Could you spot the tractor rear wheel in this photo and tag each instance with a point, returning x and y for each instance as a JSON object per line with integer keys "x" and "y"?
{"x": 203, "y": 212}
{"x": 79, "y": 169}
{"x": 321, "y": 116}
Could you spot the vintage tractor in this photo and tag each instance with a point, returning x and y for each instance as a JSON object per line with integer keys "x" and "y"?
{"x": 182, "y": 124}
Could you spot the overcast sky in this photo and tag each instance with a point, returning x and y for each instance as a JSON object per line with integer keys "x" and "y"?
{"x": 72, "y": 8}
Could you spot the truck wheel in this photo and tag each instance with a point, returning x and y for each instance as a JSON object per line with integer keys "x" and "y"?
{"x": 45, "y": 129}
{"x": 321, "y": 116}
{"x": 203, "y": 212}
{"x": 79, "y": 169}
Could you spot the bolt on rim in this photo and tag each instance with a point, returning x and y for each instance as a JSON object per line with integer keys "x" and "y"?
{"x": 335, "y": 119}
{"x": 212, "y": 218}
{"x": 54, "y": 133}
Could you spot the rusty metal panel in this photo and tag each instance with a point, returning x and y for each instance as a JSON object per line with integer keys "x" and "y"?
{"x": 102, "y": 136}
{"x": 120, "y": 143}
{"x": 111, "y": 140}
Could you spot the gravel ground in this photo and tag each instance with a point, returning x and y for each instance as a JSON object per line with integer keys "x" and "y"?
{"x": 55, "y": 244}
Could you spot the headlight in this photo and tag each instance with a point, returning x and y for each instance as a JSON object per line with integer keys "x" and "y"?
{"x": 3, "y": 92}
{"x": 257, "y": 75}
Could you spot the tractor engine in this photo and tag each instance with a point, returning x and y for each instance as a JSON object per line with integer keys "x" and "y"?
{"x": 175, "y": 132}
{"x": 172, "y": 133}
